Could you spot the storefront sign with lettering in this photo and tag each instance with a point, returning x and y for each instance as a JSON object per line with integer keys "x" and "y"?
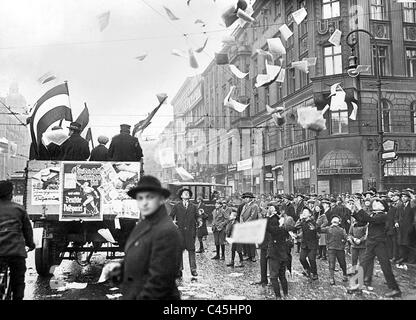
{"x": 404, "y": 145}
{"x": 298, "y": 151}
{"x": 357, "y": 170}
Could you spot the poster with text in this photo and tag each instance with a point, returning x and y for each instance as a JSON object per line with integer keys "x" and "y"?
{"x": 80, "y": 196}
{"x": 46, "y": 187}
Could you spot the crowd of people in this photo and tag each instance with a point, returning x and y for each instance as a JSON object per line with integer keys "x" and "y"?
{"x": 365, "y": 226}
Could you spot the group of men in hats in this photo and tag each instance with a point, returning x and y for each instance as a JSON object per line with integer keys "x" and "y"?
{"x": 123, "y": 147}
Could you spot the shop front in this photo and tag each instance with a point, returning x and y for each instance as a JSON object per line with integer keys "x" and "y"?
{"x": 299, "y": 161}
{"x": 245, "y": 174}
{"x": 340, "y": 171}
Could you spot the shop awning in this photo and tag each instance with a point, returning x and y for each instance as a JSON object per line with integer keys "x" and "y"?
{"x": 340, "y": 162}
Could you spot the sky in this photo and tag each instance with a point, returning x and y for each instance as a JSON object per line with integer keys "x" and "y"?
{"x": 63, "y": 37}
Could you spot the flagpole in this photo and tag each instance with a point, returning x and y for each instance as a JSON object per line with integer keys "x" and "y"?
{"x": 69, "y": 98}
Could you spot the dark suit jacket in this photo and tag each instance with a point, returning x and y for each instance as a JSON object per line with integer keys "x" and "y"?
{"x": 75, "y": 148}
{"x": 277, "y": 239}
{"x": 99, "y": 153}
{"x": 309, "y": 233}
{"x": 54, "y": 151}
{"x": 187, "y": 221}
{"x": 124, "y": 147}
{"x": 152, "y": 259}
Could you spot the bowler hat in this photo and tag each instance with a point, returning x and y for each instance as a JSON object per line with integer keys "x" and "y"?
{"x": 248, "y": 195}
{"x": 148, "y": 183}
{"x": 184, "y": 189}
{"x": 75, "y": 126}
{"x": 6, "y": 188}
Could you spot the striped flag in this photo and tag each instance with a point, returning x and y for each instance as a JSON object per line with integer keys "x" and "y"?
{"x": 49, "y": 76}
{"x": 51, "y": 107}
{"x": 143, "y": 124}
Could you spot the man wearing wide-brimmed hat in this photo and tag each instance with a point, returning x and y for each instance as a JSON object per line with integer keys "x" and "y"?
{"x": 186, "y": 216}
{"x": 153, "y": 249}
{"x": 100, "y": 152}
{"x": 75, "y": 148}
{"x": 124, "y": 147}
{"x": 15, "y": 233}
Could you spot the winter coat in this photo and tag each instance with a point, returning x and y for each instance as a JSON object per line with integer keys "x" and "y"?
{"x": 309, "y": 233}
{"x": 99, "y": 153}
{"x": 187, "y": 221}
{"x": 219, "y": 220}
{"x": 15, "y": 230}
{"x": 152, "y": 259}
{"x": 250, "y": 212}
{"x": 376, "y": 225}
{"x": 322, "y": 220}
{"x": 278, "y": 240}
{"x": 75, "y": 148}
{"x": 54, "y": 151}
{"x": 202, "y": 230}
{"x": 358, "y": 231}
{"x": 336, "y": 237}
{"x": 407, "y": 234}
{"x": 124, "y": 147}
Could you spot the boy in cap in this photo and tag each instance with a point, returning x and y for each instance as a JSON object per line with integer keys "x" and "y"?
{"x": 219, "y": 223}
{"x": 335, "y": 241}
{"x": 100, "y": 152}
{"x": 15, "y": 233}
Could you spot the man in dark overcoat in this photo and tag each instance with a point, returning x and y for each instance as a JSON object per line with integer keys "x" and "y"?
{"x": 185, "y": 216}
{"x": 75, "y": 148}
{"x": 407, "y": 233}
{"x": 124, "y": 147}
{"x": 153, "y": 249}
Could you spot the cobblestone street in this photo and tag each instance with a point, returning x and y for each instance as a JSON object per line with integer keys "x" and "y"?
{"x": 216, "y": 281}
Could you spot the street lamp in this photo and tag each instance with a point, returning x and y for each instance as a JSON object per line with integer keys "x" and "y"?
{"x": 353, "y": 71}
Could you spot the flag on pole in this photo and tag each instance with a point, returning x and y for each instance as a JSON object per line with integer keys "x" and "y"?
{"x": 51, "y": 107}
{"x": 88, "y": 137}
{"x": 143, "y": 124}
{"x": 84, "y": 117}
{"x": 185, "y": 175}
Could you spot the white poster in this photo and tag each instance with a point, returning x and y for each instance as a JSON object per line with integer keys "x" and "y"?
{"x": 357, "y": 186}
{"x": 249, "y": 232}
{"x": 323, "y": 187}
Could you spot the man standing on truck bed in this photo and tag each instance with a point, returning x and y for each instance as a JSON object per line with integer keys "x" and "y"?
{"x": 75, "y": 148}
{"x": 15, "y": 233}
{"x": 124, "y": 147}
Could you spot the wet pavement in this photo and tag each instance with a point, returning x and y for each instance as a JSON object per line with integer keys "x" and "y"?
{"x": 216, "y": 281}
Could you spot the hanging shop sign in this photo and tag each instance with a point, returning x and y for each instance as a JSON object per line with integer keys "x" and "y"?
{"x": 245, "y": 165}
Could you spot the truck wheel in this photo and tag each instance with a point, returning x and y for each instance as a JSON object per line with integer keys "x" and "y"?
{"x": 44, "y": 258}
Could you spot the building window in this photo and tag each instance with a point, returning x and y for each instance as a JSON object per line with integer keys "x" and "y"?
{"x": 279, "y": 93}
{"x": 277, "y": 9}
{"x": 291, "y": 81}
{"x": 280, "y": 180}
{"x": 265, "y": 22}
{"x": 301, "y": 176}
{"x": 256, "y": 102}
{"x": 409, "y": 12}
{"x": 303, "y": 28}
{"x": 339, "y": 121}
{"x": 411, "y": 62}
{"x": 413, "y": 116}
{"x": 386, "y": 117}
{"x": 384, "y": 65}
{"x": 267, "y": 96}
{"x": 330, "y": 9}
{"x": 378, "y": 10}
{"x": 304, "y": 77}
{"x": 403, "y": 166}
{"x": 230, "y": 150}
{"x": 332, "y": 60}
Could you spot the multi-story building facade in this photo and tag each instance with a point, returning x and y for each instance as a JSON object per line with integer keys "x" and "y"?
{"x": 16, "y": 133}
{"x": 263, "y": 157}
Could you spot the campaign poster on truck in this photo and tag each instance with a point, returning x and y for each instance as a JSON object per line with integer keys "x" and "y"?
{"x": 80, "y": 196}
{"x": 91, "y": 190}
